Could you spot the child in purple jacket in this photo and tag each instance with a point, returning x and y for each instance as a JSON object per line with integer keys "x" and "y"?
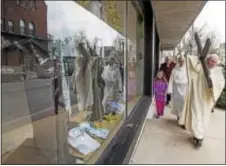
{"x": 160, "y": 90}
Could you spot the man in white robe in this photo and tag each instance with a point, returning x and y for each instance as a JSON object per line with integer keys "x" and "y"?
{"x": 177, "y": 87}
{"x": 200, "y": 99}
{"x": 113, "y": 83}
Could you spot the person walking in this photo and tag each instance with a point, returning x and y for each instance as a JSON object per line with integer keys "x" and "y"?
{"x": 167, "y": 68}
{"x": 200, "y": 98}
{"x": 178, "y": 85}
{"x": 160, "y": 89}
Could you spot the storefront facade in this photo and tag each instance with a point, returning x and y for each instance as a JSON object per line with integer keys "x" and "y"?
{"x": 92, "y": 102}
{"x": 133, "y": 51}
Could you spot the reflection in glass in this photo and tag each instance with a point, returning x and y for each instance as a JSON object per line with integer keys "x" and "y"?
{"x": 31, "y": 29}
{"x": 63, "y": 88}
{"x": 132, "y": 53}
{"x": 22, "y": 27}
{"x": 91, "y": 97}
{"x": 28, "y": 120}
{"x": 135, "y": 56}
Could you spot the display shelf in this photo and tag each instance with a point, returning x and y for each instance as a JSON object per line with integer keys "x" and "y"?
{"x": 113, "y": 127}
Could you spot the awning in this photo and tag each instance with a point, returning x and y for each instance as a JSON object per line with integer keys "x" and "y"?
{"x": 173, "y": 19}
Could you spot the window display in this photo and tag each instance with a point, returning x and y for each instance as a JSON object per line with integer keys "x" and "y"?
{"x": 70, "y": 89}
{"x": 96, "y": 82}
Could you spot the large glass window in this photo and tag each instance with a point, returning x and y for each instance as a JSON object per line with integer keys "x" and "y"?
{"x": 64, "y": 99}
{"x": 91, "y": 83}
{"x": 135, "y": 55}
{"x": 27, "y": 108}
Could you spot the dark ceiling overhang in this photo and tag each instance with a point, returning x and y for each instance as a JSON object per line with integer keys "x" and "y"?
{"x": 173, "y": 19}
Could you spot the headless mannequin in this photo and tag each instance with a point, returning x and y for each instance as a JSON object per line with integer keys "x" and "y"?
{"x": 113, "y": 83}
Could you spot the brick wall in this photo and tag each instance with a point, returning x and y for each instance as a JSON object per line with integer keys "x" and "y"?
{"x": 13, "y": 58}
{"x": 12, "y": 11}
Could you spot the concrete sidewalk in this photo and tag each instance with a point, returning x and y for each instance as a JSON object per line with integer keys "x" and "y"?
{"x": 163, "y": 142}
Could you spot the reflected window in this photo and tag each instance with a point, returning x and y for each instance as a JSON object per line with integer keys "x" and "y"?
{"x": 2, "y": 24}
{"x": 31, "y": 29}
{"x": 29, "y": 4}
{"x": 10, "y": 26}
{"x": 22, "y": 27}
{"x": 135, "y": 60}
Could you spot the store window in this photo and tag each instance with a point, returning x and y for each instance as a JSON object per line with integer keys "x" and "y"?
{"x": 92, "y": 95}
{"x": 70, "y": 106}
{"x": 135, "y": 56}
{"x": 140, "y": 56}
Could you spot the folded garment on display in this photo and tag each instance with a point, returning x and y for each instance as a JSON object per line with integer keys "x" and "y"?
{"x": 97, "y": 132}
{"x": 81, "y": 141}
{"x": 115, "y": 107}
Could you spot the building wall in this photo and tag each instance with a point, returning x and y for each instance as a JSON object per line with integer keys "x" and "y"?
{"x": 12, "y": 11}
{"x": 13, "y": 58}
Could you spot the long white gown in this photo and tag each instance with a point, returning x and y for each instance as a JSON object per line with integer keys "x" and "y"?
{"x": 178, "y": 85}
{"x": 113, "y": 84}
{"x": 200, "y": 99}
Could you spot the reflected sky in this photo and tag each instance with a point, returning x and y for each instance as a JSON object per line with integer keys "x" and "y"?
{"x": 67, "y": 18}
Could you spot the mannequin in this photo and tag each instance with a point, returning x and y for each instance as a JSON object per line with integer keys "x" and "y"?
{"x": 132, "y": 80}
{"x": 113, "y": 83}
{"x": 88, "y": 84}
{"x": 98, "y": 85}
{"x": 82, "y": 81}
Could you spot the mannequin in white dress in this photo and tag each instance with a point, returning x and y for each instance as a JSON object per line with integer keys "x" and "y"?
{"x": 113, "y": 83}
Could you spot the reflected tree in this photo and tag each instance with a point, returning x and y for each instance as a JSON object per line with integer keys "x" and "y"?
{"x": 118, "y": 43}
{"x": 188, "y": 45}
{"x": 84, "y": 3}
{"x": 113, "y": 18}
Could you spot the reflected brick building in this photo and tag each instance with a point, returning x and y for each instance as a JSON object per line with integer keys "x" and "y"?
{"x": 24, "y": 33}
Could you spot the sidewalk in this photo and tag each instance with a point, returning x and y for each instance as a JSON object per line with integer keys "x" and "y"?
{"x": 163, "y": 142}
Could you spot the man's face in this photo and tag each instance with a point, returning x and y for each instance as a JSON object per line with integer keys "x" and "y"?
{"x": 112, "y": 61}
{"x": 167, "y": 60}
{"x": 212, "y": 62}
{"x": 181, "y": 61}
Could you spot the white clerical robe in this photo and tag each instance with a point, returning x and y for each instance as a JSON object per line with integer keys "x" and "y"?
{"x": 178, "y": 85}
{"x": 200, "y": 99}
{"x": 82, "y": 82}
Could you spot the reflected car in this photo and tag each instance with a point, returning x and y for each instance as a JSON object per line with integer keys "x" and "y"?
{"x": 11, "y": 74}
